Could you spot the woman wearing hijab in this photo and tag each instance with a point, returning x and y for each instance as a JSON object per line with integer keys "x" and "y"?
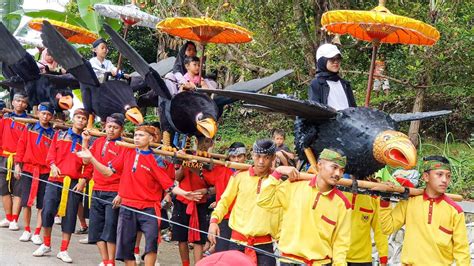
{"x": 187, "y": 50}
{"x": 328, "y": 88}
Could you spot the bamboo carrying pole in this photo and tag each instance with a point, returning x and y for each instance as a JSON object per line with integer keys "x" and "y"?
{"x": 304, "y": 176}
{"x": 99, "y": 134}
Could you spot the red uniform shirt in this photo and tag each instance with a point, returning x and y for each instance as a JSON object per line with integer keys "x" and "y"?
{"x": 143, "y": 178}
{"x": 219, "y": 177}
{"x": 63, "y": 154}
{"x": 190, "y": 182}
{"x": 105, "y": 151}
{"x": 33, "y": 147}
{"x": 10, "y": 132}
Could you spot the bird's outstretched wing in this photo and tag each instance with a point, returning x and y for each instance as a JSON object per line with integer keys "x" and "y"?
{"x": 15, "y": 56}
{"x": 63, "y": 80}
{"x": 67, "y": 56}
{"x": 162, "y": 67}
{"x": 254, "y": 85}
{"x": 11, "y": 50}
{"x": 419, "y": 115}
{"x": 152, "y": 77}
{"x": 310, "y": 110}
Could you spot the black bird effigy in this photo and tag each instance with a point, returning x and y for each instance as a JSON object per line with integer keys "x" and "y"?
{"x": 101, "y": 99}
{"x": 23, "y": 74}
{"x": 368, "y": 137}
{"x": 190, "y": 112}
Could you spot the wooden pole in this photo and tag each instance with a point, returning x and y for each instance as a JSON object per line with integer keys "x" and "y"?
{"x": 375, "y": 46}
{"x": 99, "y": 134}
{"x": 303, "y": 176}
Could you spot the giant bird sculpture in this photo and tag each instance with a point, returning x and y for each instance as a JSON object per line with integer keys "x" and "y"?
{"x": 101, "y": 99}
{"x": 22, "y": 74}
{"x": 368, "y": 137}
{"x": 190, "y": 112}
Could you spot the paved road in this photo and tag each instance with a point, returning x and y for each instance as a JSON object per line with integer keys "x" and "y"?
{"x": 14, "y": 252}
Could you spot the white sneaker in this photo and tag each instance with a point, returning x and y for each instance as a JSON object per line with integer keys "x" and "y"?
{"x": 13, "y": 226}
{"x": 36, "y": 239}
{"x": 101, "y": 264}
{"x": 84, "y": 240}
{"x": 25, "y": 237}
{"x": 64, "y": 256}
{"x": 4, "y": 223}
{"x": 57, "y": 220}
{"x": 43, "y": 249}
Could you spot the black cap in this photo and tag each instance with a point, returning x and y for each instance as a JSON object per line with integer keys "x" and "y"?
{"x": 97, "y": 42}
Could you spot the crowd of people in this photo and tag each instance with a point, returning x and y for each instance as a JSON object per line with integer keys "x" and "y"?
{"x": 269, "y": 212}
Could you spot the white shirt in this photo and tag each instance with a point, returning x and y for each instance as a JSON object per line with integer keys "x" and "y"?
{"x": 337, "y": 98}
{"x": 101, "y": 68}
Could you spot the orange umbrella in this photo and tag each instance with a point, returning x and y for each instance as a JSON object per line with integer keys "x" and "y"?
{"x": 205, "y": 30}
{"x": 379, "y": 26}
{"x": 72, "y": 33}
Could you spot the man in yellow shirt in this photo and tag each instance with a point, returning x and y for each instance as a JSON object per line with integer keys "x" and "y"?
{"x": 365, "y": 216}
{"x": 435, "y": 229}
{"x": 251, "y": 225}
{"x": 316, "y": 224}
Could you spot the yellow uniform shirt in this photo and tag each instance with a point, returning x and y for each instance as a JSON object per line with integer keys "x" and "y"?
{"x": 316, "y": 226}
{"x": 365, "y": 216}
{"x": 246, "y": 217}
{"x": 435, "y": 231}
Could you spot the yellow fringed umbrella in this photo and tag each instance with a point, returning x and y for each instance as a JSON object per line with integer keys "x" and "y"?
{"x": 70, "y": 32}
{"x": 205, "y": 30}
{"x": 379, "y": 25}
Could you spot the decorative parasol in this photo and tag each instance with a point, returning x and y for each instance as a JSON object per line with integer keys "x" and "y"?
{"x": 35, "y": 42}
{"x": 205, "y": 30}
{"x": 379, "y": 26}
{"x": 72, "y": 33}
{"x": 130, "y": 15}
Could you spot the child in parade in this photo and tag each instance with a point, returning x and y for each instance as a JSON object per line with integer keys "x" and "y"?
{"x": 219, "y": 177}
{"x": 68, "y": 178}
{"x": 283, "y": 155}
{"x": 103, "y": 216}
{"x": 142, "y": 182}
{"x": 251, "y": 224}
{"x": 30, "y": 159}
{"x": 316, "y": 223}
{"x": 191, "y": 213}
{"x": 10, "y": 188}
{"x": 435, "y": 228}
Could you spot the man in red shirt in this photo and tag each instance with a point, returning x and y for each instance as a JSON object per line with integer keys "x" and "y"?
{"x": 68, "y": 172}
{"x": 10, "y": 133}
{"x": 142, "y": 183}
{"x": 191, "y": 213}
{"x": 30, "y": 158}
{"x": 103, "y": 216}
{"x": 219, "y": 177}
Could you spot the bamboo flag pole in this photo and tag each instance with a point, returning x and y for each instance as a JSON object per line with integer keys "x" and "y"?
{"x": 304, "y": 176}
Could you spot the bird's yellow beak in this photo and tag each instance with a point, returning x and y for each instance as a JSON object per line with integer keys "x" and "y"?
{"x": 395, "y": 149}
{"x": 65, "y": 102}
{"x": 207, "y": 126}
{"x": 134, "y": 115}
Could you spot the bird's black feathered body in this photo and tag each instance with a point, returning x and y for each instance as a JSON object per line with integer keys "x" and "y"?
{"x": 184, "y": 109}
{"x": 102, "y": 99}
{"x": 23, "y": 74}
{"x": 367, "y": 136}
{"x": 353, "y": 131}
{"x": 192, "y": 113}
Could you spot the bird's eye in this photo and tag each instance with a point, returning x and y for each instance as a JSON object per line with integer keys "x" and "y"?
{"x": 386, "y": 137}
